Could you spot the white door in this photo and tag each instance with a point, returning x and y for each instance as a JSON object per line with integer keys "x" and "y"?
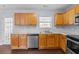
{"x": 8, "y": 29}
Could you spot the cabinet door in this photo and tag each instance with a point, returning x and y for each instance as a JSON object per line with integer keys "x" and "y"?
{"x": 42, "y": 41}
{"x": 72, "y": 16}
{"x": 22, "y": 41}
{"x": 50, "y": 41}
{"x": 66, "y": 18}
{"x": 14, "y": 41}
{"x": 17, "y": 19}
{"x": 33, "y": 20}
{"x": 59, "y": 19}
{"x": 22, "y": 18}
{"x": 56, "y": 40}
{"x": 26, "y": 19}
{"x": 77, "y": 8}
{"x": 63, "y": 42}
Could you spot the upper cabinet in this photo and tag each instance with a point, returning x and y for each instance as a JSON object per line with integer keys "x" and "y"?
{"x": 25, "y": 19}
{"x": 67, "y": 16}
{"x": 59, "y": 19}
{"x": 77, "y": 8}
{"x": 71, "y": 16}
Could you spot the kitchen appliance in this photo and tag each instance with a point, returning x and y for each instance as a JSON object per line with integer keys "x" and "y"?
{"x": 77, "y": 18}
{"x": 73, "y": 45}
{"x": 33, "y": 41}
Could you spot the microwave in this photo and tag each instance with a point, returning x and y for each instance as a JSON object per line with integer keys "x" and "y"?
{"x": 77, "y": 18}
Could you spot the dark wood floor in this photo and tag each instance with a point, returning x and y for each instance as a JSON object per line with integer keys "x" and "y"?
{"x": 5, "y": 49}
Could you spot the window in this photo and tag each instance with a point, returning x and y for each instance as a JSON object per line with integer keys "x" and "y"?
{"x": 45, "y": 22}
{"x": 8, "y": 29}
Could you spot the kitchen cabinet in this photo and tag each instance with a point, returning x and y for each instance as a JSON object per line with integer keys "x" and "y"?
{"x": 63, "y": 43}
{"x": 67, "y": 17}
{"x": 42, "y": 41}
{"x": 17, "y": 18}
{"x": 59, "y": 19}
{"x": 22, "y": 18}
{"x": 14, "y": 41}
{"x": 71, "y": 16}
{"x": 50, "y": 41}
{"x": 77, "y": 8}
{"x": 33, "y": 19}
{"x": 25, "y": 19}
{"x": 18, "y": 41}
{"x": 56, "y": 41}
{"x": 22, "y": 41}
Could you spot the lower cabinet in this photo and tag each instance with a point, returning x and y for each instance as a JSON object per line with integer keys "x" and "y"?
{"x": 56, "y": 40}
{"x": 42, "y": 41}
{"x": 52, "y": 41}
{"x": 14, "y": 41}
{"x": 63, "y": 43}
{"x": 18, "y": 41}
{"x": 46, "y": 41}
{"x": 22, "y": 41}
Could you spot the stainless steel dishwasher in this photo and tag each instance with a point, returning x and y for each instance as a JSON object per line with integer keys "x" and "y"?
{"x": 33, "y": 41}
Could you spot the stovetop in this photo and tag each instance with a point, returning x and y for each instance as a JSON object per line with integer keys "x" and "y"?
{"x": 73, "y": 37}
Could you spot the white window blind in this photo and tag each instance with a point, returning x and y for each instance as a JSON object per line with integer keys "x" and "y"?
{"x": 45, "y": 22}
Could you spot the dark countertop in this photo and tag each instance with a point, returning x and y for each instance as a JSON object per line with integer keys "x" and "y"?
{"x": 33, "y": 34}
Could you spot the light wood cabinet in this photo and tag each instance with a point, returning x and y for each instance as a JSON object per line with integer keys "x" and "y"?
{"x": 22, "y": 19}
{"x": 59, "y": 19}
{"x": 56, "y": 41}
{"x": 33, "y": 21}
{"x": 50, "y": 41}
{"x": 77, "y": 8}
{"x": 18, "y": 41}
{"x": 14, "y": 41}
{"x": 67, "y": 17}
{"x": 71, "y": 16}
{"x": 17, "y": 19}
{"x": 63, "y": 43}
{"x": 25, "y": 19}
{"x": 22, "y": 41}
{"x": 42, "y": 41}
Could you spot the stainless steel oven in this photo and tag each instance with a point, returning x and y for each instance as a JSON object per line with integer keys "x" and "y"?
{"x": 73, "y": 45}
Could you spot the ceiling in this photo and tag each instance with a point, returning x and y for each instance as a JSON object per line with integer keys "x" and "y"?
{"x": 35, "y": 6}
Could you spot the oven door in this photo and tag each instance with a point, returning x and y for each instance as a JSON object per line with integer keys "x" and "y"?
{"x": 73, "y": 46}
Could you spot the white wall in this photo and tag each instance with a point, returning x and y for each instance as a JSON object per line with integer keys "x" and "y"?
{"x": 27, "y": 29}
